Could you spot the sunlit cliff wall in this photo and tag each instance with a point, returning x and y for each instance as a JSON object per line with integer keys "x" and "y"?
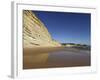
{"x": 34, "y": 31}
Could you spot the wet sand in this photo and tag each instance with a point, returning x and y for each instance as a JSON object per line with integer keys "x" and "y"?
{"x": 48, "y": 57}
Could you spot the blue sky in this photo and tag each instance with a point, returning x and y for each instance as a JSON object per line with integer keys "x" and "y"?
{"x": 67, "y": 27}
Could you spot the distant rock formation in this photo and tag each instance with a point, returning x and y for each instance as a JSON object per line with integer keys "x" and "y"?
{"x": 35, "y": 33}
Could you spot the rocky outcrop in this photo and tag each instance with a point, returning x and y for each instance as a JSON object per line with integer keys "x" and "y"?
{"x": 35, "y": 33}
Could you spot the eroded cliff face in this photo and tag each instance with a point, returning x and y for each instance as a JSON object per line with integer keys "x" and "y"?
{"x": 35, "y": 33}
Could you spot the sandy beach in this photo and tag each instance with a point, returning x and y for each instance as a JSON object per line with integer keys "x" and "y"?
{"x": 50, "y": 57}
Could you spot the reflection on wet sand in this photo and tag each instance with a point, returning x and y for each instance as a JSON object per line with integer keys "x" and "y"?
{"x": 46, "y": 57}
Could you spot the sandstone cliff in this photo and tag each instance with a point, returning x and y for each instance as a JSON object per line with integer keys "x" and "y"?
{"x": 35, "y": 33}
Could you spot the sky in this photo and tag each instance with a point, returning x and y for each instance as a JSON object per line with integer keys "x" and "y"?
{"x": 67, "y": 27}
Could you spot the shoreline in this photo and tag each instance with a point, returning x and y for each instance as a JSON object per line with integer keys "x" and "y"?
{"x": 55, "y": 57}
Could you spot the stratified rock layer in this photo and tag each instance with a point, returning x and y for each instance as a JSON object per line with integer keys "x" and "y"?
{"x": 35, "y": 33}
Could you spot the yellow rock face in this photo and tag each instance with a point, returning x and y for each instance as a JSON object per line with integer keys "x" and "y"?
{"x": 35, "y": 33}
